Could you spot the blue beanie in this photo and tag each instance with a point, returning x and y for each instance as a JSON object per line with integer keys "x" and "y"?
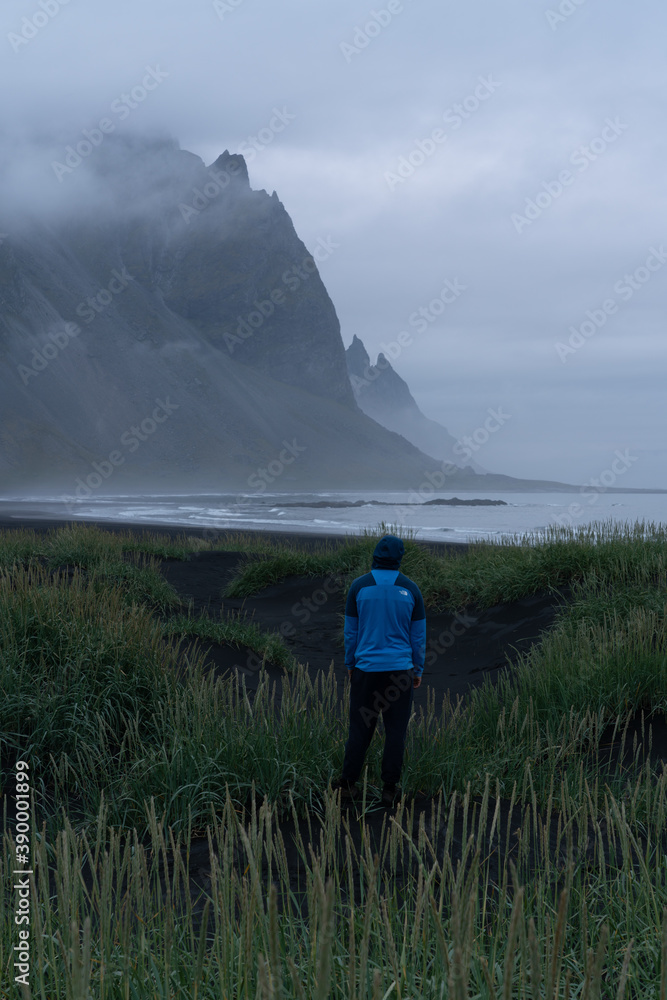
{"x": 388, "y": 553}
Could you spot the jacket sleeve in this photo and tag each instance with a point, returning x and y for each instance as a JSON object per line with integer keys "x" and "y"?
{"x": 418, "y": 634}
{"x": 351, "y": 631}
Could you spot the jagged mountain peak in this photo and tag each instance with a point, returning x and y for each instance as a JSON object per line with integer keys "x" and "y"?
{"x": 357, "y": 357}
{"x": 234, "y": 165}
{"x": 382, "y": 394}
{"x": 181, "y": 326}
{"x": 377, "y": 387}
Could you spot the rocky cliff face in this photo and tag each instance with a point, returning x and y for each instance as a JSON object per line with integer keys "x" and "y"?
{"x": 384, "y": 395}
{"x": 236, "y": 269}
{"x": 163, "y": 328}
{"x": 166, "y": 323}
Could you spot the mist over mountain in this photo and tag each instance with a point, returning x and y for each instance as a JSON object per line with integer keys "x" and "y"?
{"x": 161, "y": 320}
{"x": 384, "y": 395}
{"x": 163, "y": 327}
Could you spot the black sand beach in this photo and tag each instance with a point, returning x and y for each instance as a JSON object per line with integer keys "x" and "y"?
{"x": 462, "y": 651}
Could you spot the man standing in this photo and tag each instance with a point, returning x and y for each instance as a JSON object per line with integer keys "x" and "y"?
{"x": 385, "y": 639}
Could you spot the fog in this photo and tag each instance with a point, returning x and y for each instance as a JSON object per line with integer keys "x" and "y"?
{"x": 516, "y": 149}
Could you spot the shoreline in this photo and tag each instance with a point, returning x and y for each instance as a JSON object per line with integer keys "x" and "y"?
{"x": 309, "y": 539}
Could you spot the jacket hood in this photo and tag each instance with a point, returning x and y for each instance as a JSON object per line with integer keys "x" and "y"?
{"x": 388, "y": 553}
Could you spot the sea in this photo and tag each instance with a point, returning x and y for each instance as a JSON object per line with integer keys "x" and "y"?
{"x": 351, "y": 512}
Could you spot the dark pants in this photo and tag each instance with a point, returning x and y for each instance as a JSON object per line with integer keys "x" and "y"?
{"x": 389, "y": 692}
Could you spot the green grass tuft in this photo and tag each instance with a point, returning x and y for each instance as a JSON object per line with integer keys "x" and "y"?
{"x": 237, "y": 632}
{"x": 140, "y": 754}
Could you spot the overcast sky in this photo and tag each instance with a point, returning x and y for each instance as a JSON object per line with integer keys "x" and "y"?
{"x": 515, "y": 150}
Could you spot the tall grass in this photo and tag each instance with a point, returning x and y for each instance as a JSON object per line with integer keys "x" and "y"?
{"x": 87, "y": 545}
{"x": 351, "y": 559}
{"x": 91, "y": 693}
{"x": 487, "y": 573}
{"x": 96, "y": 694}
{"x": 114, "y": 917}
{"x": 233, "y": 630}
{"x": 538, "y": 873}
{"x": 81, "y": 671}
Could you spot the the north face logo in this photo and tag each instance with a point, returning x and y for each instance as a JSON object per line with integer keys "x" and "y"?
{"x": 403, "y": 592}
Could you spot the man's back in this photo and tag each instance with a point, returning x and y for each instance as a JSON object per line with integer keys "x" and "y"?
{"x": 385, "y": 622}
{"x": 385, "y": 643}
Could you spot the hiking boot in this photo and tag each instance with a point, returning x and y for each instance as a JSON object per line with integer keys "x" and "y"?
{"x": 390, "y": 794}
{"x": 348, "y": 789}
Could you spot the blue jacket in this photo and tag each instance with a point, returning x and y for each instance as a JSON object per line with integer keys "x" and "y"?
{"x": 385, "y": 623}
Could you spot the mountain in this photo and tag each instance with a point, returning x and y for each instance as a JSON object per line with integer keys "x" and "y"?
{"x": 165, "y": 324}
{"x": 384, "y": 395}
{"x": 163, "y": 328}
